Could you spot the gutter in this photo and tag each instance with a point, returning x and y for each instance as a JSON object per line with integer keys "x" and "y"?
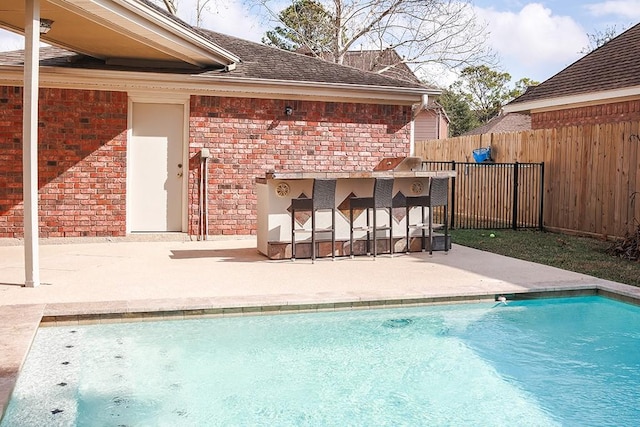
{"x": 213, "y": 85}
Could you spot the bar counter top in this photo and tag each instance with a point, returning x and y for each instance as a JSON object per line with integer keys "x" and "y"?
{"x": 355, "y": 174}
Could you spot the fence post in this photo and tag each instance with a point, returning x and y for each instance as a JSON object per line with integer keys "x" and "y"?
{"x": 514, "y": 219}
{"x": 541, "y": 214}
{"x": 453, "y": 196}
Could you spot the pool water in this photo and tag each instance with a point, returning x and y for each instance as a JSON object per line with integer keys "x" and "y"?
{"x": 549, "y": 362}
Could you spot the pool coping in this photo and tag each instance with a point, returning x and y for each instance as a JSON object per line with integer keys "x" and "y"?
{"x": 31, "y": 317}
{"x": 52, "y": 316}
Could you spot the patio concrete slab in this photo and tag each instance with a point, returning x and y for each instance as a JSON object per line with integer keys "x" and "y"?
{"x": 121, "y": 280}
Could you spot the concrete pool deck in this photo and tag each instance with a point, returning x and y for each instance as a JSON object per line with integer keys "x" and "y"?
{"x": 121, "y": 280}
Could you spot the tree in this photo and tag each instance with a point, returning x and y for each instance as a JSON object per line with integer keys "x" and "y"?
{"x": 305, "y": 24}
{"x": 521, "y": 86}
{"x": 484, "y": 91}
{"x": 422, "y": 32}
{"x": 201, "y": 7}
{"x": 459, "y": 112}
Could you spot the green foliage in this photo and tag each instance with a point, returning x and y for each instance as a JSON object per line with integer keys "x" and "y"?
{"x": 459, "y": 112}
{"x": 521, "y": 87}
{"x": 306, "y": 23}
{"x": 478, "y": 95}
{"x": 485, "y": 90}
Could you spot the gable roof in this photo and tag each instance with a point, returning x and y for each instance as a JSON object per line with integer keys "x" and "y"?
{"x": 510, "y": 122}
{"x": 611, "y": 71}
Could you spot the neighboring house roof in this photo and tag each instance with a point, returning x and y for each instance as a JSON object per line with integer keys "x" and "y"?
{"x": 509, "y": 122}
{"x": 387, "y": 62}
{"x": 611, "y": 71}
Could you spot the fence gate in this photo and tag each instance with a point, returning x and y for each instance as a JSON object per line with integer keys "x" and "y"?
{"x": 494, "y": 195}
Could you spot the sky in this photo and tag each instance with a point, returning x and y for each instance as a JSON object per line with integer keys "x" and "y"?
{"x": 532, "y": 39}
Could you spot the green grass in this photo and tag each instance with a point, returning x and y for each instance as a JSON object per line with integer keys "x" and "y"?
{"x": 580, "y": 254}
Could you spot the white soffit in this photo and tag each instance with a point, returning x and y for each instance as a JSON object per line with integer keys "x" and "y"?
{"x": 118, "y": 30}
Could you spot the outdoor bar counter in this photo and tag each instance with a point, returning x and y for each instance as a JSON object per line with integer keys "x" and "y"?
{"x": 276, "y": 189}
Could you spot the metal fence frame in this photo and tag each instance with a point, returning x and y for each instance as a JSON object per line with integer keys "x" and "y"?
{"x": 494, "y": 195}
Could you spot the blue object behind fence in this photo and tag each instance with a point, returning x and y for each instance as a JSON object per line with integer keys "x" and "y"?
{"x": 482, "y": 154}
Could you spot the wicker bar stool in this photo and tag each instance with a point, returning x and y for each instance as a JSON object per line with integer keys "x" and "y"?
{"x": 323, "y": 198}
{"x": 438, "y": 196}
{"x": 382, "y": 199}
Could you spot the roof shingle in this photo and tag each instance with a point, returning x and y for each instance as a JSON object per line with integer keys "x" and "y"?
{"x": 510, "y": 122}
{"x": 614, "y": 65}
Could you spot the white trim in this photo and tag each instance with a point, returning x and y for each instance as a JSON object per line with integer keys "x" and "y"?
{"x": 31, "y": 227}
{"x": 149, "y": 27}
{"x": 186, "y": 33}
{"x": 195, "y": 84}
{"x": 127, "y": 190}
{"x": 155, "y": 98}
{"x": 573, "y": 101}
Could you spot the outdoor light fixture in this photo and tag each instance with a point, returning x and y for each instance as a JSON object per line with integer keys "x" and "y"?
{"x": 45, "y": 25}
{"x": 288, "y": 110}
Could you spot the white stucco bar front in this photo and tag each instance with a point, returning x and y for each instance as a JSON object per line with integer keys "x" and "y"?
{"x": 276, "y": 189}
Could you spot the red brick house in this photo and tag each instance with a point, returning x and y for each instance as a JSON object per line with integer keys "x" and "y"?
{"x": 130, "y": 96}
{"x": 601, "y": 87}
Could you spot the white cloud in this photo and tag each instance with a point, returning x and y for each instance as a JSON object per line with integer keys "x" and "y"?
{"x": 534, "y": 42}
{"x": 628, "y": 9}
{"x": 10, "y": 41}
{"x": 230, "y": 17}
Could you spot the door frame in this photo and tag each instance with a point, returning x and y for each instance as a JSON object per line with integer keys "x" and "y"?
{"x": 150, "y": 98}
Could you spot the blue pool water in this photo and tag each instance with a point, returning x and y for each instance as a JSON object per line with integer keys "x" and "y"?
{"x": 572, "y": 362}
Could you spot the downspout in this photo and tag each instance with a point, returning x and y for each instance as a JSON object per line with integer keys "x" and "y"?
{"x": 422, "y": 106}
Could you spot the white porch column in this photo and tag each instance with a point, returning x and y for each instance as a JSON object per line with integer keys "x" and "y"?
{"x": 30, "y": 142}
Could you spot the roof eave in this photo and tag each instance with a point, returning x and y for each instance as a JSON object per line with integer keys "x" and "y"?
{"x": 127, "y": 81}
{"x": 188, "y": 35}
{"x": 150, "y": 33}
{"x": 573, "y": 101}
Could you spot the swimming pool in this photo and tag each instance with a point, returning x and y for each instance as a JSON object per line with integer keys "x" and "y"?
{"x": 545, "y": 362}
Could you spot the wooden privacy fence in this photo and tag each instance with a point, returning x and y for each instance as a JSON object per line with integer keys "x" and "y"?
{"x": 493, "y": 195}
{"x": 591, "y": 172}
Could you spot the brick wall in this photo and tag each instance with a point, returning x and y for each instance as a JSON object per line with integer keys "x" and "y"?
{"x": 82, "y": 163}
{"x": 248, "y": 137}
{"x": 82, "y": 155}
{"x": 604, "y": 113}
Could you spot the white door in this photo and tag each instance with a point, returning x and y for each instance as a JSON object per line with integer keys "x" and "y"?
{"x": 155, "y": 167}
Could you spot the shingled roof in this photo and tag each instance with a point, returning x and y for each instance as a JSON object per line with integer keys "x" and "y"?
{"x": 614, "y": 65}
{"x": 266, "y": 62}
{"x": 257, "y": 62}
{"x": 510, "y": 122}
{"x": 387, "y": 62}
